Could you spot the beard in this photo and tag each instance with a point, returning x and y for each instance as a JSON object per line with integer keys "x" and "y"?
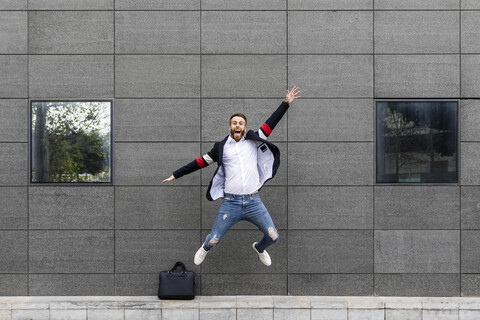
{"x": 237, "y": 136}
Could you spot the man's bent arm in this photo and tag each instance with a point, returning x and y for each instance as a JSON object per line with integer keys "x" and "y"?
{"x": 267, "y": 128}
{"x": 199, "y": 163}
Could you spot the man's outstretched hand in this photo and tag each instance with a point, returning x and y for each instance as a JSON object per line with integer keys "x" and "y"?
{"x": 169, "y": 178}
{"x": 292, "y": 95}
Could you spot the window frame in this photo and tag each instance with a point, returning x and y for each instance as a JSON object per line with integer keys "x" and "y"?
{"x": 30, "y": 153}
{"x": 458, "y": 164}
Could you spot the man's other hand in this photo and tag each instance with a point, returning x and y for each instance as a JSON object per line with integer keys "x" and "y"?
{"x": 169, "y": 178}
{"x": 292, "y": 95}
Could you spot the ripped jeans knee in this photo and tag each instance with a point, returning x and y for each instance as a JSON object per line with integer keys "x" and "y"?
{"x": 273, "y": 234}
{"x": 211, "y": 241}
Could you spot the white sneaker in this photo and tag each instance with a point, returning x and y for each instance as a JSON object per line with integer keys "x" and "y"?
{"x": 200, "y": 255}
{"x": 264, "y": 256}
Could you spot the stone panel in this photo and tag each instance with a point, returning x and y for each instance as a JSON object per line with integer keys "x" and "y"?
{"x": 260, "y": 314}
{"x": 470, "y": 285}
{"x": 225, "y": 314}
{"x": 70, "y": 32}
{"x": 13, "y": 208}
{"x": 157, "y": 120}
{"x": 244, "y": 5}
{"x": 13, "y": 32}
{"x": 13, "y": 256}
{"x": 70, "y": 4}
{"x": 142, "y": 32}
{"x": 330, "y": 163}
{"x": 71, "y": 285}
{"x": 417, "y": 207}
{"x": 148, "y": 251}
{"x": 470, "y": 207}
{"x": 330, "y": 251}
{"x": 13, "y": 120}
{"x": 184, "y": 314}
{"x": 13, "y": 5}
{"x": 470, "y": 175}
{"x": 59, "y": 251}
{"x": 417, "y": 32}
{"x": 470, "y": 120}
{"x": 139, "y": 76}
{"x": 425, "y": 285}
{"x": 71, "y": 76}
{"x": 330, "y": 4}
{"x": 13, "y": 285}
{"x": 157, "y": 4}
{"x": 237, "y": 32}
{"x": 13, "y": 163}
{"x": 14, "y": 79}
{"x": 316, "y": 284}
{"x": 417, "y": 251}
{"x": 330, "y": 32}
{"x": 471, "y": 76}
{"x": 243, "y": 284}
{"x": 421, "y": 76}
{"x": 291, "y": 314}
{"x": 330, "y": 208}
{"x": 328, "y": 76}
{"x": 249, "y": 76}
{"x": 470, "y": 4}
{"x": 157, "y": 207}
{"x": 71, "y": 207}
{"x": 470, "y": 251}
{"x": 331, "y": 120}
{"x": 151, "y": 163}
{"x": 470, "y": 31}
{"x": 417, "y": 5}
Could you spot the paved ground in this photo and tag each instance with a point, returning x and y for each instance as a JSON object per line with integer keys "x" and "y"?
{"x": 239, "y": 307}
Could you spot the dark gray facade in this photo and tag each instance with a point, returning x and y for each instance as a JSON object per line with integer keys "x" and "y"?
{"x": 176, "y": 70}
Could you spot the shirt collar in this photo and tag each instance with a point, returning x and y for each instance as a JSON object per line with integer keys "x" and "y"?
{"x": 231, "y": 140}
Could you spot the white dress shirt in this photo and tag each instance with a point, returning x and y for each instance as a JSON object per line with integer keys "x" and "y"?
{"x": 240, "y": 163}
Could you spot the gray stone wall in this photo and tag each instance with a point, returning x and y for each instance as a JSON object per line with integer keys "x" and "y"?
{"x": 176, "y": 70}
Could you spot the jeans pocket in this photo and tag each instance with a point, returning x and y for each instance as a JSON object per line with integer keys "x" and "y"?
{"x": 227, "y": 199}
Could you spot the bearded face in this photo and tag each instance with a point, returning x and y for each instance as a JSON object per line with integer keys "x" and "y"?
{"x": 237, "y": 128}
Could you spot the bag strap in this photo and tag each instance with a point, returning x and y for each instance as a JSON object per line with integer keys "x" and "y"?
{"x": 178, "y": 264}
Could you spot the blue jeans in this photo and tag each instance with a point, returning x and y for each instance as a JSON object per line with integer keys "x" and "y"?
{"x": 237, "y": 207}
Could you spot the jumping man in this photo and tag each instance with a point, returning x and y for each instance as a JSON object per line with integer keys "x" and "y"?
{"x": 246, "y": 160}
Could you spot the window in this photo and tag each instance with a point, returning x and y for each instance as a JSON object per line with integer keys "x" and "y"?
{"x": 416, "y": 141}
{"x": 70, "y": 141}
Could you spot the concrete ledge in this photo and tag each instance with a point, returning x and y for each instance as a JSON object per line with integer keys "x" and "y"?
{"x": 238, "y": 307}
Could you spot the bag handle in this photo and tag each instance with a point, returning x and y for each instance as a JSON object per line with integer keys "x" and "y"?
{"x": 178, "y": 264}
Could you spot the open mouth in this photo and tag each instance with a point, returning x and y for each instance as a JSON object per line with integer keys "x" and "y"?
{"x": 237, "y": 131}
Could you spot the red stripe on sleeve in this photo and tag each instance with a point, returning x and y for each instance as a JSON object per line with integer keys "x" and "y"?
{"x": 201, "y": 163}
{"x": 266, "y": 129}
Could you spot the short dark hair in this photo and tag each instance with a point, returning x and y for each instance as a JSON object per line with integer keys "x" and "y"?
{"x": 238, "y": 114}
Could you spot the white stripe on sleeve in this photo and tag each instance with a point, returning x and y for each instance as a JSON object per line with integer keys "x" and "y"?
{"x": 262, "y": 135}
{"x": 208, "y": 159}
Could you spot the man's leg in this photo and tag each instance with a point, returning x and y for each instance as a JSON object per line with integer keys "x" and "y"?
{"x": 230, "y": 213}
{"x": 257, "y": 214}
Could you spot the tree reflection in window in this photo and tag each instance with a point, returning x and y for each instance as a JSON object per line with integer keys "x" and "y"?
{"x": 71, "y": 141}
{"x": 417, "y": 141}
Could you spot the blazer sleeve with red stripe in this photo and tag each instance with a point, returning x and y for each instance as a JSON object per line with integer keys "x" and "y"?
{"x": 267, "y": 128}
{"x": 200, "y": 162}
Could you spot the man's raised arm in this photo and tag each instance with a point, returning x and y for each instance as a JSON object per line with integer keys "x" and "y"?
{"x": 199, "y": 163}
{"x": 267, "y": 128}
